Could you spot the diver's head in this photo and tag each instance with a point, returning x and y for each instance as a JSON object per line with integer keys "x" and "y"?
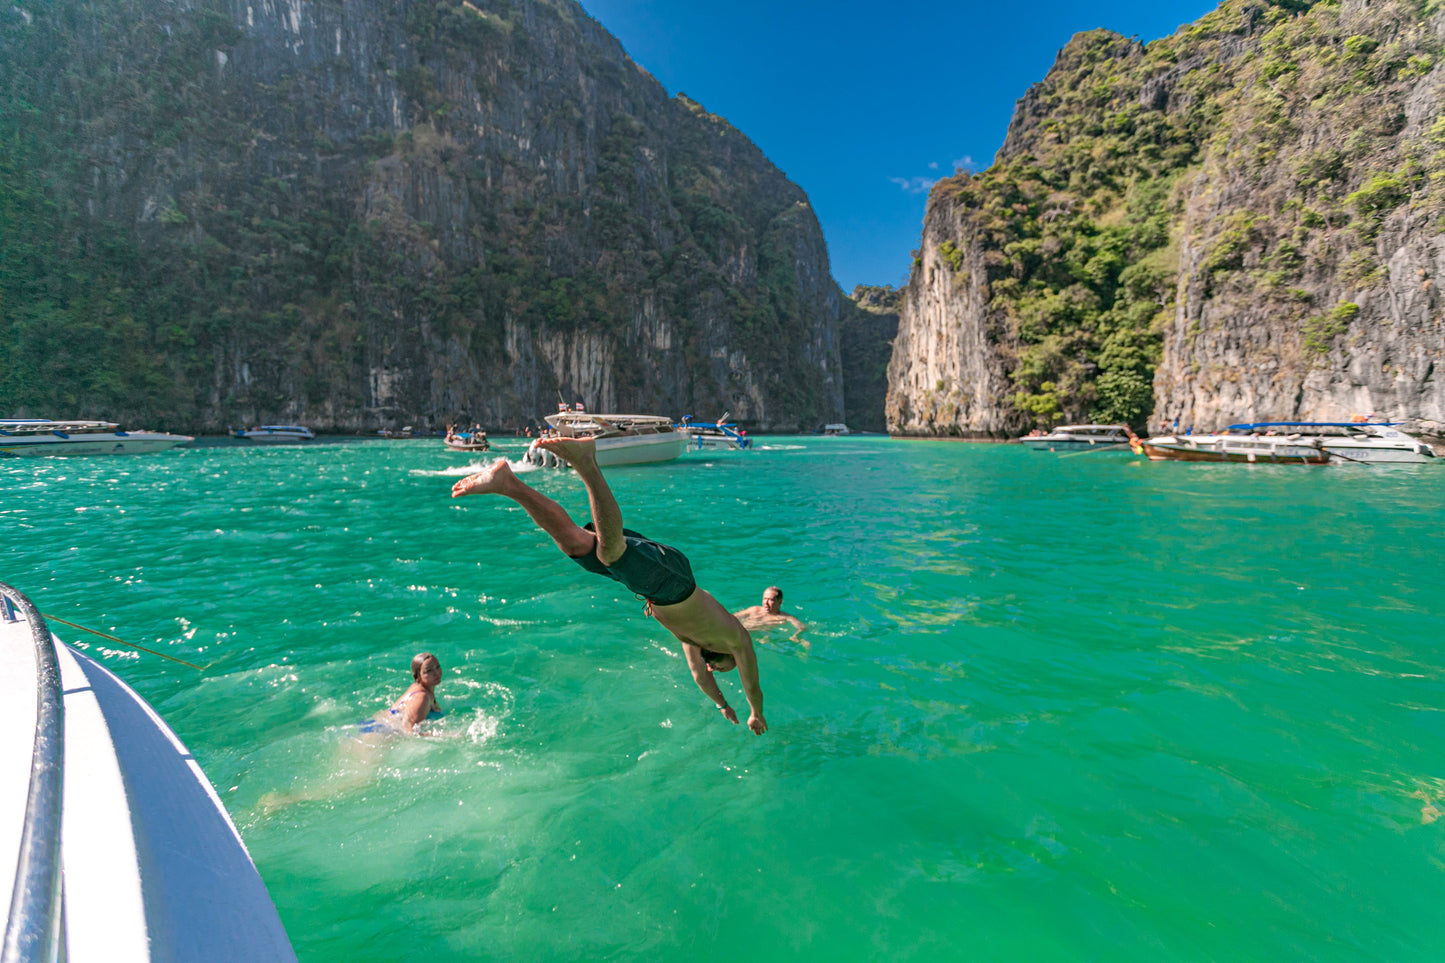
{"x": 719, "y": 661}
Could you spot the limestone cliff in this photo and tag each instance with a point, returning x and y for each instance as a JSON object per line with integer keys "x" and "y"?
{"x": 866, "y": 330}
{"x": 376, "y": 212}
{"x": 1238, "y": 222}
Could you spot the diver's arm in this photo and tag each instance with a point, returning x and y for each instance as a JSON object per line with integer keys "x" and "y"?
{"x": 702, "y": 675}
{"x": 747, "y": 662}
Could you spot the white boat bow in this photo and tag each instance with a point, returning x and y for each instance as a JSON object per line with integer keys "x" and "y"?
{"x": 1080, "y": 438}
{"x": 276, "y": 433}
{"x": 39, "y": 437}
{"x": 123, "y": 851}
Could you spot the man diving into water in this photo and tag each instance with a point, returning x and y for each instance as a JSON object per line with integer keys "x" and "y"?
{"x": 712, "y": 639}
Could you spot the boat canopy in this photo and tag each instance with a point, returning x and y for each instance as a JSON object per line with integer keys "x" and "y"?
{"x": 689, "y": 422}
{"x": 35, "y": 426}
{"x": 602, "y": 418}
{"x": 1313, "y": 424}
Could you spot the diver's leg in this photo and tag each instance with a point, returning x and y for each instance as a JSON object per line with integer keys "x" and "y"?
{"x": 581, "y": 454}
{"x": 499, "y": 479}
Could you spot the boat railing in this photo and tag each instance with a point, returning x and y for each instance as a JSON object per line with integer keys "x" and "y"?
{"x": 33, "y": 930}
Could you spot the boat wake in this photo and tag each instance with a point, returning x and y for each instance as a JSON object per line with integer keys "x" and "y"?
{"x": 461, "y": 471}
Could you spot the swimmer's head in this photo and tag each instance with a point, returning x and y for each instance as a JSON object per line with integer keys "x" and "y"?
{"x": 772, "y": 598}
{"x": 424, "y": 663}
{"x": 719, "y": 661}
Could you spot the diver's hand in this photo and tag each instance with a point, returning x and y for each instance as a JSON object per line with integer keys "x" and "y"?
{"x": 729, "y": 714}
{"x": 756, "y": 723}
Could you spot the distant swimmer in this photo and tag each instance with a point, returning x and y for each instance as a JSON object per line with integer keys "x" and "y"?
{"x": 712, "y": 639}
{"x": 770, "y": 613}
{"x": 417, "y": 704}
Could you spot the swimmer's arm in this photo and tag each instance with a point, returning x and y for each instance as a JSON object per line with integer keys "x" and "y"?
{"x": 702, "y": 675}
{"x": 747, "y": 662}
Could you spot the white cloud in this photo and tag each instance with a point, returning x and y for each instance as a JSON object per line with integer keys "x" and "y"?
{"x": 921, "y": 185}
{"x": 915, "y": 185}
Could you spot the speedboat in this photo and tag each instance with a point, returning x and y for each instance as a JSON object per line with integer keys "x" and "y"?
{"x": 276, "y": 433}
{"x": 40, "y": 436}
{"x": 1365, "y": 442}
{"x": 621, "y": 439}
{"x": 1079, "y": 438}
{"x": 113, "y": 844}
{"x": 718, "y": 436}
{"x": 835, "y": 430}
{"x": 1223, "y": 446}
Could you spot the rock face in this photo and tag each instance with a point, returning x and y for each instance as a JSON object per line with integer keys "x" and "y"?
{"x": 370, "y": 213}
{"x": 948, "y": 372}
{"x": 1241, "y": 222}
{"x": 868, "y": 325}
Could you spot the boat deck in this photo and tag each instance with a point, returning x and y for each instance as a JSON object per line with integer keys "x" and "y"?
{"x": 153, "y": 867}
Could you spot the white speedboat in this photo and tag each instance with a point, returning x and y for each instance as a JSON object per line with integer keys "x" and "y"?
{"x": 1224, "y": 446}
{"x": 275, "y": 433}
{"x": 114, "y": 846}
{"x": 1079, "y": 438}
{"x": 834, "y": 430}
{"x": 40, "y": 436}
{"x": 621, "y": 439}
{"x": 1370, "y": 443}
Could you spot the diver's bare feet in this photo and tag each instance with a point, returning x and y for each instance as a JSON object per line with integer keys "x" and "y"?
{"x": 580, "y": 453}
{"x": 496, "y": 477}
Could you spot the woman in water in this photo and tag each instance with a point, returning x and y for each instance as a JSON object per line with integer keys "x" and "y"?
{"x": 361, "y": 754}
{"x": 418, "y": 703}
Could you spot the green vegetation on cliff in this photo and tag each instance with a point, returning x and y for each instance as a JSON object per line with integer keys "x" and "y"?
{"x": 205, "y": 220}
{"x": 1278, "y": 129}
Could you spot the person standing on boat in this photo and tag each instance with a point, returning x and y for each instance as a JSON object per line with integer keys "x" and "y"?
{"x": 769, "y": 614}
{"x": 713, "y": 640}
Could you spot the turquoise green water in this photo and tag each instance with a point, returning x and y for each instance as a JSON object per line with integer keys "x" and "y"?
{"x": 1054, "y": 708}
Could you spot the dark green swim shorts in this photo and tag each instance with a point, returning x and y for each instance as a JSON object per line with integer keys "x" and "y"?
{"x": 659, "y": 573}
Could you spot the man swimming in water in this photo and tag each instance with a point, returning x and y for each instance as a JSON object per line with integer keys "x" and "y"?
{"x": 712, "y": 639}
{"x": 770, "y": 614}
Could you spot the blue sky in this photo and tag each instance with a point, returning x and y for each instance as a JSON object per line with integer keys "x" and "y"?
{"x": 864, "y": 104}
